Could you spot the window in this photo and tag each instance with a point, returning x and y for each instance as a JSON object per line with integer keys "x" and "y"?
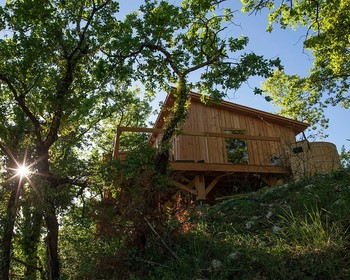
{"x": 236, "y": 149}
{"x": 298, "y": 150}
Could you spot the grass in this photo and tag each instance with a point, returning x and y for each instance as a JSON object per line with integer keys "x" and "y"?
{"x": 295, "y": 231}
{"x": 311, "y": 232}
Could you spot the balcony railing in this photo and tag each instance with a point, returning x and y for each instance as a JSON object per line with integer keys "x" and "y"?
{"x": 207, "y": 135}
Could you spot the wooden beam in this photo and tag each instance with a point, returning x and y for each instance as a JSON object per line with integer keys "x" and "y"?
{"x": 231, "y": 136}
{"x": 140, "y": 129}
{"x": 192, "y": 183}
{"x": 213, "y": 184}
{"x": 200, "y": 187}
{"x": 208, "y": 167}
{"x": 202, "y": 134}
{"x": 183, "y": 187}
{"x": 207, "y": 149}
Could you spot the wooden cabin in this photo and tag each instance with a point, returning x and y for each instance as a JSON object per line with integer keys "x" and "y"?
{"x": 225, "y": 147}
{"x": 309, "y": 158}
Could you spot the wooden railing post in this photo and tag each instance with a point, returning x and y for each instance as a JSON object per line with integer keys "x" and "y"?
{"x": 207, "y": 148}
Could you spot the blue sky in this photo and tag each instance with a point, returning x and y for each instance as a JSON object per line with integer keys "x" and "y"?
{"x": 286, "y": 44}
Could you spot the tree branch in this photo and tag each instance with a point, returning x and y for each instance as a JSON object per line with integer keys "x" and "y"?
{"x": 8, "y": 153}
{"x": 167, "y": 55}
{"x": 56, "y": 182}
{"x": 62, "y": 91}
{"x": 122, "y": 57}
{"x": 209, "y": 61}
{"x": 82, "y": 36}
{"x": 21, "y": 102}
{"x": 40, "y": 269}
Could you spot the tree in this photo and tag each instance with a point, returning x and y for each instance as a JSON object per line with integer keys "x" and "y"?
{"x": 52, "y": 94}
{"x": 169, "y": 43}
{"x": 65, "y": 71}
{"x": 327, "y": 24}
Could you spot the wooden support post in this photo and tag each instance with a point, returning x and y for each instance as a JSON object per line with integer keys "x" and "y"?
{"x": 116, "y": 144}
{"x": 200, "y": 187}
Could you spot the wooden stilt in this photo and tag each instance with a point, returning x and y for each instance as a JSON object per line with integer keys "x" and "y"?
{"x": 200, "y": 187}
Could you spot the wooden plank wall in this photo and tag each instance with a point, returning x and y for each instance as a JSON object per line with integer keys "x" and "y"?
{"x": 203, "y": 118}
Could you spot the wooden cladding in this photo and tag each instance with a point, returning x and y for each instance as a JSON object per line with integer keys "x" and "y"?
{"x": 202, "y": 138}
{"x": 121, "y": 129}
{"x": 188, "y": 138}
{"x": 223, "y": 141}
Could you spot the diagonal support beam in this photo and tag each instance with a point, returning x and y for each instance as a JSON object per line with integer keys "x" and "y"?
{"x": 184, "y": 187}
{"x": 212, "y": 184}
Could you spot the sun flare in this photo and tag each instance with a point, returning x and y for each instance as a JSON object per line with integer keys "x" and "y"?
{"x": 22, "y": 171}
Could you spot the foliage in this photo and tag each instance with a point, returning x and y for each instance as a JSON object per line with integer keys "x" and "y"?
{"x": 327, "y": 24}
{"x": 171, "y": 42}
{"x": 345, "y": 157}
{"x": 57, "y": 93}
{"x": 295, "y": 231}
{"x": 292, "y": 94}
{"x": 311, "y": 231}
{"x": 185, "y": 39}
{"x": 66, "y": 72}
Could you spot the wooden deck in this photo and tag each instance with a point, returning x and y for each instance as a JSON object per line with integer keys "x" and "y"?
{"x": 200, "y": 177}
{"x": 215, "y": 167}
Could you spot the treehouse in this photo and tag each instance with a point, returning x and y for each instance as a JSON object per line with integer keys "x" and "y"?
{"x": 225, "y": 147}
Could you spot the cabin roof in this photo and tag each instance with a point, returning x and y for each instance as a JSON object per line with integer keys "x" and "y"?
{"x": 296, "y": 126}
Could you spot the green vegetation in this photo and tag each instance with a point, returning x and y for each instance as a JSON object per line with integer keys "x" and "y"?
{"x": 236, "y": 149}
{"x": 326, "y": 26}
{"x": 295, "y": 231}
{"x": 69, "y": 72}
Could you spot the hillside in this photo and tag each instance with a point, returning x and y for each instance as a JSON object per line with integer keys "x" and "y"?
{"x": 295, "y": 231}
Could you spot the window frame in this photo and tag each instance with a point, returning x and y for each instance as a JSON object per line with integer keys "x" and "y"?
{"x": 245, "y": 158}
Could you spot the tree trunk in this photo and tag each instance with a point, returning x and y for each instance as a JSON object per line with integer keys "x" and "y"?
{"x": 31, "y": 238}
{"x": 178, "y": 116}
{"x": 53, "y": 264}
{"x": 52, "y": 245}
{"x": 8, "y": 224}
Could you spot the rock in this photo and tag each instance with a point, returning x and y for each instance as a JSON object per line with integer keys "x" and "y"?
{"x": 216, "y": 264}
{"x": 249, "y": 224}
{"x": 276, "y": 229}
{"x": 233, "y": 256}
{"x": 269, "y": 215}
{"x": 309, "y": 187}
